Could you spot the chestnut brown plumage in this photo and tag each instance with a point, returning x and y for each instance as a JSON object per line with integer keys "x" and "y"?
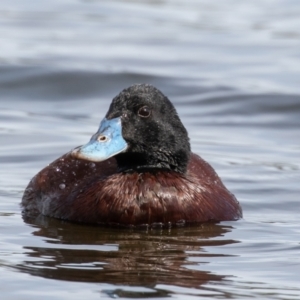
{"x": 156, "y": 180}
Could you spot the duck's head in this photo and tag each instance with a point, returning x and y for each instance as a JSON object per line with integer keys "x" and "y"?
{"x": 141, "y": 130}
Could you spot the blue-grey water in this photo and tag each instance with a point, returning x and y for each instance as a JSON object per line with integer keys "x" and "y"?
{"x": 232, "y": 69}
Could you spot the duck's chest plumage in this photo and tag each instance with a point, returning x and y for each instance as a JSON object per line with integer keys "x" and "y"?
{"x": 81, "y": 191}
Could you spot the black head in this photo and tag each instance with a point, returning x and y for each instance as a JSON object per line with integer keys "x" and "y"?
{"x": 155, "y": 136}
{"x": 142, "y": 131}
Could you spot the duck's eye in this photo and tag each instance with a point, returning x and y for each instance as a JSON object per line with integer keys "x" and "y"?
{"x": 144, "y": 112}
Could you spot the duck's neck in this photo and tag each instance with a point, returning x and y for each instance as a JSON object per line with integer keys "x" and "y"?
{"x": 141, "y": 162}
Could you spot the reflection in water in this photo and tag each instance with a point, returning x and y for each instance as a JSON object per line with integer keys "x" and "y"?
{"x": 134, "y": 257}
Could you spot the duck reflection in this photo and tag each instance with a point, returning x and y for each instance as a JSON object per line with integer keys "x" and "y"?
{"x": 117, "y": 256}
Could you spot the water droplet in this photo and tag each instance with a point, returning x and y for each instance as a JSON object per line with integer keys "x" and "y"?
{"x": 62, "y": 186}
{"x": 92, "y": 165}
{"x": 57, "y": 169}
{"x": 180, "y": 223}
{"x": 156, "y": 225}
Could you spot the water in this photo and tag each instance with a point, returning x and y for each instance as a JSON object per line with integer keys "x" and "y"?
{"x": 232, "y": 70}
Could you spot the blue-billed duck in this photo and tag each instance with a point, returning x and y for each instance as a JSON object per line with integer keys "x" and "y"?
{"x": 136, "y": 170}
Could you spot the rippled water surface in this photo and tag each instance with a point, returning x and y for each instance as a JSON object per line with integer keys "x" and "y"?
{"x": 232, "y": 69}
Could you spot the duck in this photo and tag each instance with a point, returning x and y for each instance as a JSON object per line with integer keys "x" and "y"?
{"x": 137, "y": 170}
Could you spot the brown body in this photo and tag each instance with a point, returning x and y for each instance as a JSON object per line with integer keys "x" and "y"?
{"x": 96, "y": 193}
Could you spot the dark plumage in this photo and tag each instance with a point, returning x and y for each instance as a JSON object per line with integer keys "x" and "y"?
{"x": 149, "y": 176}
